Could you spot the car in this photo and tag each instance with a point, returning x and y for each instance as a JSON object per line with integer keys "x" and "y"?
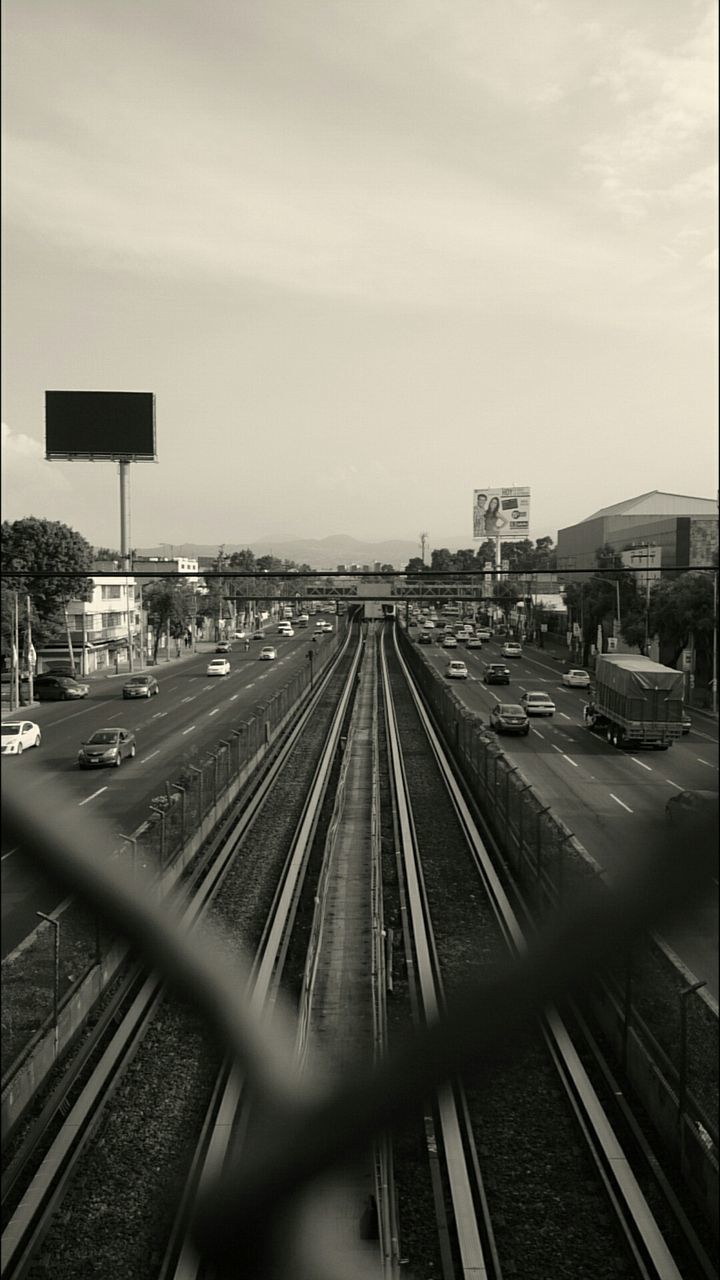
{"x": 223, "y": 646}
{"x": 484, "y": 633}
{"x": 576, "y": 679}
{"x": 141, "y": 687}
{"x": 218, "y": 667}
{"x": 449, "y": 642}
{"x": 496, "y": 673}
{"x": 685, "y": 805}
{"x": 425, "y": 638}
{"x": 287, "y": 631}
{"x": 328, "y": 627}
{"x": 537, "y": 703}
{"x": 107, "y": 746}
{"x": 508, "y": 717}
{"x": 456, "y": 670}
{"x": 258, "y": 635}
{"x": 429, "y": 623}
{"x": 57, "y": 688}
{"x": 268, "y": 653}
{"x": 18, "y": 735}
{"x": 282, "y": 627}
{"x": 239, "y": 635}
{"x": 511, "y": 649}
{"x": 473, "y": 642}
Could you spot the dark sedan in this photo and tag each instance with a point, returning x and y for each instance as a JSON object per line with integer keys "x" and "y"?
{"x": 107, "y": 747}
{"x": 496, "y": 673}
{"x": 508, "y": 717}
{"x": 56, "y": 688}
{"x": 425, "y": 638}
{"x": 141, "y": 687}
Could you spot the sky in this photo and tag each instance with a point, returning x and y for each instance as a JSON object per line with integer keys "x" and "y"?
{"x": 368, "y": 256}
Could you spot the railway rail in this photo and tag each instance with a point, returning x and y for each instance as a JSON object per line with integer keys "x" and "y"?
{"x": 360, "y": 847}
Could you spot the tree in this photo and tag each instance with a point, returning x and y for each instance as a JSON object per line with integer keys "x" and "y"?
{"x": 47, "y": 547}
{"x": 682, "y": 609}
{"x": 170, "y": 606}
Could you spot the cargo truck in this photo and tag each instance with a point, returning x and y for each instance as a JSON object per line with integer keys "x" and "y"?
{"x": 636, "y": 702}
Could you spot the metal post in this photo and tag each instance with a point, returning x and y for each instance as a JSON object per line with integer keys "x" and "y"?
{"x": 715, "y": 647}
{"x": 15, "y": 700}
{"x": 177, "y": 787}
{"x": 224, "y": 743}
{"x": 682, "y": 1069}
{"x": 56, "y": 976}
{"x": 194, "y": 769}
{"x": 154, "y": 809}
{"x": 132, "y": 840}
{"x": 30, "y": 652}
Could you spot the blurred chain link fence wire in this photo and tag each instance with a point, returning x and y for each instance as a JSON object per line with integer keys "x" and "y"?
{"x": 259, "y": 1217}
{"x": 649, "y": 990}
{"x": 56, "y": 960}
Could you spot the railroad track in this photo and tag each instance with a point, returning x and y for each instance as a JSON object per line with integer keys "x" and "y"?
{"x": 517, "y": 1175}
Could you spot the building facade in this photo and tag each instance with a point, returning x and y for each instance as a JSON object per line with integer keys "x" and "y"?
{"x": 103, "y": 628}
{"x": 678, "y": 530}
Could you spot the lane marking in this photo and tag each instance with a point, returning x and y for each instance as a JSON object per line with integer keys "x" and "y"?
{"x": 641, "y": 763}
{"x": 707, "y": 762}
{"x": 564, "y": 756}
{"x": 621, "y": 802}
{"x": 152, "y": 753}
{"x": 159, "y": 715}
{"x": 674, "y": 784}
{"x": 192, "y": 726}
{"x": 233, "y": 696}
{"x": 92, "y": 797}
{"x": 565, "y": 716}
{"x": 555, "y": 748}
{"x": 10, "y": 852}
{"x": 538, "y": 734}
{"x": 214, "y": 712}
{"x": 192, "y": 699}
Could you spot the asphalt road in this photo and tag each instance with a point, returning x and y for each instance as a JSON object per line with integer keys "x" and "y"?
{"x": 190, "y": 715}
{"x": 614, "y": 801}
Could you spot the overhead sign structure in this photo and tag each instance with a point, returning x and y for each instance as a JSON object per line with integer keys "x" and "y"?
{"x": 501, "y": 513}
{"x": 100, "y": 426}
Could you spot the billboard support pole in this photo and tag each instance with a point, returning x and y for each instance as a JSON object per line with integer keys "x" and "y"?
{"x": 125, "y": 543}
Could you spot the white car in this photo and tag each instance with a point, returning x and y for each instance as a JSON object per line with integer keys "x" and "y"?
{"x": 484, "y": 633}
{"x": 218, "y": 667}
{"x": 473, "y": 642}
{"x": 456, "y": 671}
{"x": 268, "y": 653}
{"x": 576, "y": 679}
{"x": 537, "y": 703}
{"x": 449, "y": 642}
{"x": 18, "y": 735}
{"x": 511, "y": 649}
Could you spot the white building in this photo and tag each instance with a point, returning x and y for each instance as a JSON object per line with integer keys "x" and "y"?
{"x": 101, "y": 627}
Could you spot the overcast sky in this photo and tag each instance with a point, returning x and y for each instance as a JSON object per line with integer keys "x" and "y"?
{"x": 369, "y": 256}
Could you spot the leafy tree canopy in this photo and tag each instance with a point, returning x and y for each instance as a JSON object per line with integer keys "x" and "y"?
{"x": 32, "y": 545}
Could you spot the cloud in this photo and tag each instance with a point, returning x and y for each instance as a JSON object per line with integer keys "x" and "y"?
{"x": 27, "y": 479}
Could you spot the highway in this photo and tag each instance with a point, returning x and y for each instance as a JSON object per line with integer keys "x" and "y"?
{"x": 190, "y": 715}
{"x": 614, "y": 801}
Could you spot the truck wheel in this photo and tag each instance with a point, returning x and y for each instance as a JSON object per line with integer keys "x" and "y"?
{"x": 617, "y": 737}
{"x": 609, "y": 734}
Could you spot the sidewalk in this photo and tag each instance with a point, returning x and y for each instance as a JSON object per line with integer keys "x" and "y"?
{"x": 123, "y": 670}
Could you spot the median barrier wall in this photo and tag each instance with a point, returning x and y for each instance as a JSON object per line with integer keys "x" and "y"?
{"x": 664, "y": 1033}
{"x": 79, "y": 954}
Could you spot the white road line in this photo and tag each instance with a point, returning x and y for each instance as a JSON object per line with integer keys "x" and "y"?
{"x": 564, "y": 716}
{"x": 233, "y": 696}
{"x": 621, "y": 802}
{"x": 674, "y": 784}
{"x": 214, "y": 711}
{"x": 192, "y": 726}
{"x": 192, "y": 699}
{"x": 641, "y": 763}
{"x": 92, "y": 797}
{"x": 538, "y": 734}
{"x": 207, "y": 686}
{"x": 152, "y": 753}
{"x": 574, "y": 763}
{"x": 701, "y": 761}
{"x": 9, "y": 853}
{"x": 558, "y": 749}
{"x": 159, "y": 715}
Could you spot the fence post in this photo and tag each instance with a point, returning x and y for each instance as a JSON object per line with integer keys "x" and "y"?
{"x": 224, "y": 743}
{"x": 538, "y": 867}
{"x": 213, "y": 757}
{"x": 132, "y": 840}
{"x": 56, "y": 975}
{"x": 178, "y": 787}
{"x": 508, "y": 828}
{"x": 154, "y": 809}
{"x": 682, "y": 1069}
{"x": 195, "y": 769}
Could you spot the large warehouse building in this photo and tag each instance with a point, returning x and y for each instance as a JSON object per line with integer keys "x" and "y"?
{"x": 680, "y": 530}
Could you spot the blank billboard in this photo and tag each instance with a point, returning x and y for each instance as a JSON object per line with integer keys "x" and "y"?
{"x": 100, "y": 425}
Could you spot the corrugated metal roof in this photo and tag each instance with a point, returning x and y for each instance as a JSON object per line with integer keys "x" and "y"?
{"x": 656, "y": 503}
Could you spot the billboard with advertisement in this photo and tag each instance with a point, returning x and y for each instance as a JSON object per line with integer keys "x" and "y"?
{"x": 501, "y": 513}
{"x": 100, "y": 425}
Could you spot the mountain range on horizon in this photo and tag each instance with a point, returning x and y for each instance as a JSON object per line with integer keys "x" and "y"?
{"x": 319, "y": 553}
